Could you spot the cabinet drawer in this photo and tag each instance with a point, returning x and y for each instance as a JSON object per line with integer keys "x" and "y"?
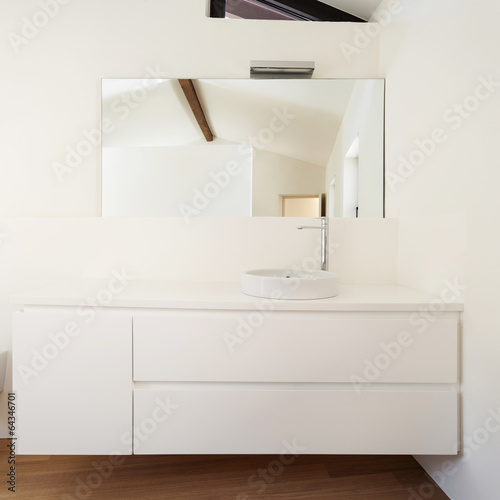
{"x": 318, "y": 421}
{"x": 224, "y": 347}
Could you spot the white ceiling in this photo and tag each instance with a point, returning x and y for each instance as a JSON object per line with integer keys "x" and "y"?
{"x": 236, "y": 111}
{"x": 239, "y": 109}
{"x": 359, "y": 8}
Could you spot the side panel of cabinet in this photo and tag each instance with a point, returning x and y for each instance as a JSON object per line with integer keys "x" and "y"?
{"x": 318, "y": 421}
{"x": 73, "y": 378}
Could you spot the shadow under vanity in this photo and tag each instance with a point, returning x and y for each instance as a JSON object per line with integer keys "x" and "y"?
{"x": 199, "y": 368}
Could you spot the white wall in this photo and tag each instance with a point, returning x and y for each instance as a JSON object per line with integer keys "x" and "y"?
{"x": 442, "y": 159}
{"x": 350, "y": 187}
{"x": 363, "y": 118}
{"x": 275, "y": 174}
{"x": 51, "y": 98}
{"x": 187, "y": 181}
{"x": 50, "y": 101}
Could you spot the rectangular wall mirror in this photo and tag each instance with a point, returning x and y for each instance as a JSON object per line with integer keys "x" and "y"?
{"x": 240, "y": 147}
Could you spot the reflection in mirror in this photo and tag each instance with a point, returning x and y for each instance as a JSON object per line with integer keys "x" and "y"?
{"x": 241, "y": 147}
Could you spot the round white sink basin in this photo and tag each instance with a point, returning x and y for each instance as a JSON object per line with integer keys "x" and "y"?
{"x": 290, "y": 284}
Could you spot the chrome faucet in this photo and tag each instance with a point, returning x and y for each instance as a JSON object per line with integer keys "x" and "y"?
{"x": 324, "y": 240}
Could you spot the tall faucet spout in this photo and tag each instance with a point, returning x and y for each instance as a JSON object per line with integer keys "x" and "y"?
{"x": 324, "y": 241}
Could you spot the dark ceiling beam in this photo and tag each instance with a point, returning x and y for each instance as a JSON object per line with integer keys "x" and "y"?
{"x": 313, "y": 10}
{"x": 218, "y": 8}
{"x": 305, "y": 10}
{"x": 254, "y": 9}
{"x": 195, "y": 105}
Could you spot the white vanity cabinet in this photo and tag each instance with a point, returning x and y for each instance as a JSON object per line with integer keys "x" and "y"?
{"x": 202, "y": 369}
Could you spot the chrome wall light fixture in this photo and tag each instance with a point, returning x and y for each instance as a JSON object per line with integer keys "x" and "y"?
{"x": 281, "y": 69}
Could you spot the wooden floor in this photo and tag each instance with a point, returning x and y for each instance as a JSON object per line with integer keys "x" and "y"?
{"x": 236, "y": 477}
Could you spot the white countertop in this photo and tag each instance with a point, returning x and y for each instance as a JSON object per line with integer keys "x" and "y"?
{"x": 215, "y": 295}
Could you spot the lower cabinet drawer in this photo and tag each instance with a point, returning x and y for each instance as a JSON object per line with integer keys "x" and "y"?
{"x": 247, "y": 346}
{"x": 307, "y": 421}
